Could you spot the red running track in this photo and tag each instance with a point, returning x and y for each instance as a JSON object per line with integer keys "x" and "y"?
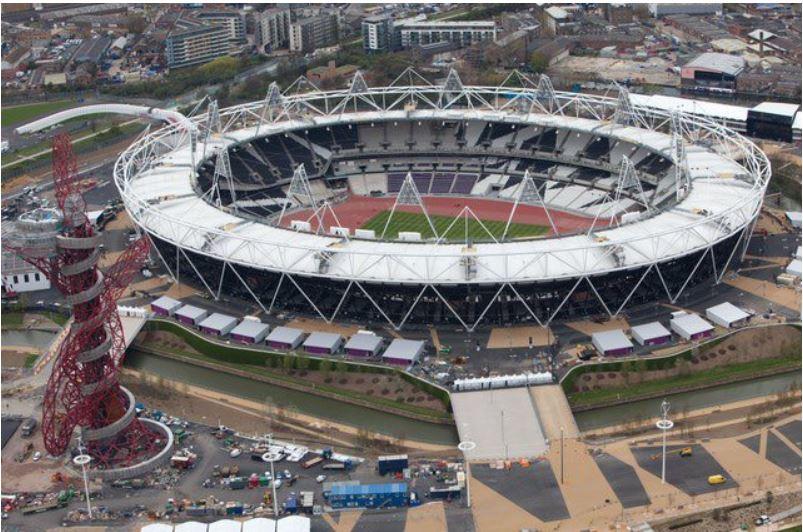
{"x": 357, "y": 210}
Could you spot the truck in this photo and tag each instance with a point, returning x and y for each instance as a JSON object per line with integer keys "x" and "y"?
{"x": 28, "y": 426}
{"x": 392, "y": 463}
{"x": 448, "y": 493}
{"x": 312, "y": 462}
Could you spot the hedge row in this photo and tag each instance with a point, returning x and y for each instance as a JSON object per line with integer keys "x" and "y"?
{"x": 251, "y": 357}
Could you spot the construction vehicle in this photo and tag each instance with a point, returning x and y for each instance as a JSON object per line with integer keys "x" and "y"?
{"x": 684, "y": 452}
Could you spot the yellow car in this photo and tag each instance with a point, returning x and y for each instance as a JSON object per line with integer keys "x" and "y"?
{"x": 716, "y": 479}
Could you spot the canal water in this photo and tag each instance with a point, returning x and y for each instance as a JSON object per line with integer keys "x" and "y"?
{"x": 720, "y": 395}
{"x": 392, "y": 425}
{"x": 28, "y": 338}
{"x": 313, "y": 405}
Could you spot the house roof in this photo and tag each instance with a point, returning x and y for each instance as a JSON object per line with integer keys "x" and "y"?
{"x": 725, "y": 63}
{"x": 727, "y": 312}
{"x": 167, "y": 303}
{"x": 285, "y": 335}
{"x": 218, "y": 321}
{"x": 323, "y": 340}
{"x": 364, "y": 342}
{"x": 401, "y": 349}
{"x": 611, "y": 340}
{"x": 650, "y": 331}
{"x": 250, "y": 328}
{"x": 692, "y": 324}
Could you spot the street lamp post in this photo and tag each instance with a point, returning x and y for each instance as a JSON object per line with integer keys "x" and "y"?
{"x": 664, "y": 424}
{"x": 83, "y": 460}
{"x": 466, "y": 446}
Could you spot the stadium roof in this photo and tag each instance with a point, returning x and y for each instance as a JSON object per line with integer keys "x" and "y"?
{"x": 174, "y": 206}
{"x": 727, "y": 64}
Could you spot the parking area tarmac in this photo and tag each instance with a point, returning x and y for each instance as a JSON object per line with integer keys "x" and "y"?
{"x": 624, "y": 481}
{"x": 780, "y": 454}
{"x": 535, "y": 488}
{"x": 687, "y": 473}
{"x": 792, "y": 431}
{"x": 753, "y": 443}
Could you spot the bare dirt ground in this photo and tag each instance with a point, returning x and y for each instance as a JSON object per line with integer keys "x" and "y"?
{"x": 590, "y": 327}
{"x": 15, "y": 356}
{"x": 508, "y": 337}
{"x": 785, "y": 296}
{"x": 310, "y": 325}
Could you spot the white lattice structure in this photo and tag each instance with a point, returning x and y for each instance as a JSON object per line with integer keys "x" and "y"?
{"x": 726, "y": 176}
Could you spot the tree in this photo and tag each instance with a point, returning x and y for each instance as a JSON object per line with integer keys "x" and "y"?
{"x": 326, "y": 366}
{"x": 539, "y": 62}
{"x": 288, "y": 362}
{"x": 136, "y": 23}
{"x": 220, "y": 69}
{"x": 341, "y": 366}
{"x": 302, "y": 363}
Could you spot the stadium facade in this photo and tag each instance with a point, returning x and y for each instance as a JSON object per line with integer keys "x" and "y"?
{"x": 670, "y": 199}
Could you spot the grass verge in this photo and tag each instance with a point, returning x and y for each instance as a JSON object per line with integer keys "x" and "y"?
{"x": 10, "y": 116}
{"x": 11, "y": 320}
{"x": 260, "y": 362}
{"x": 30, "y": 360}
{"x": 712, "y": 376}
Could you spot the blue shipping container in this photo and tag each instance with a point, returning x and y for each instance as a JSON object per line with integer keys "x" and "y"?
{"x": 389, "y": 495}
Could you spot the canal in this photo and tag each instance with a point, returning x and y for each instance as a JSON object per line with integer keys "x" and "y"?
{"x": 28, "y": 338}
{"x": 304, "y": 403}
{"x": 719, "y": 395}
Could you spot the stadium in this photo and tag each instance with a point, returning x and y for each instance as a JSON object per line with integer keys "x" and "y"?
{"x": 420, "y": 203}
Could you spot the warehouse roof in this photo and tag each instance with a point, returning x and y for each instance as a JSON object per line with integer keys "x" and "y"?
{"x": 250, "y": 328}
{"x": 341, "y": 488}
{"x": 777, "y": 108}
{"x": 323, "y": 340}
{"x": 725, "y": 63}
{"x": 401, "y": 349}
{"x": 167, "y": 303}
{"x": 650, "y": 331}
{"x": 692, "y": 324}
{"x": 727, "y": 312}
{"x": 611, "y": 340}
{"x": 364, "y": 342}
{"x": 285, "y": 335}
{"x": 191, "y": 312}
{"x": 218, "y": 321}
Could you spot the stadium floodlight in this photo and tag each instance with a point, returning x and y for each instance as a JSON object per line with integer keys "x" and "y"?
{"x": 212, "y": 126}
{"x": 545, "y": 96}
{"x": 624, "y": 113}
{"x": 629, "y": 182}
{"x": 452, "y": 90}
{"x": 299, "y": 191}
{"x": 222, "y": 170}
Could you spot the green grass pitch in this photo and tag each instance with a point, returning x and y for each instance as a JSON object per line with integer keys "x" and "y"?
{"x": 409, "y": 221}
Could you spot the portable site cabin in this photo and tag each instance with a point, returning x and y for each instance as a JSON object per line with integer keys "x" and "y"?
{"x": 322, "y": 343}
{"x": 364, "y": 345}
{"x": 652, "y": 333}
{"x": 285, "y": 338}
{"x": 612, "y": 343}
{"x": 189, "y": 315}
{"x": 347, "y": 495}
{"x": 691, "y": 327}
{"x": 404, "y": 352}
{"x": 165, "y": 306}
{"x": 727, "y": 315}
{"x": 250, "y": 332}
{"x": 795, "y": 268}
{"x": 218, "y": 324}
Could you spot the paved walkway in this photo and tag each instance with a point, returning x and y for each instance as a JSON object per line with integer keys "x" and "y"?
{"x": 554, "y": 412}
{"x": 502, "y": 423}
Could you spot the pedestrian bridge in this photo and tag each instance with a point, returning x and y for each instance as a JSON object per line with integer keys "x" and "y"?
{"x": 512, "y": 423}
